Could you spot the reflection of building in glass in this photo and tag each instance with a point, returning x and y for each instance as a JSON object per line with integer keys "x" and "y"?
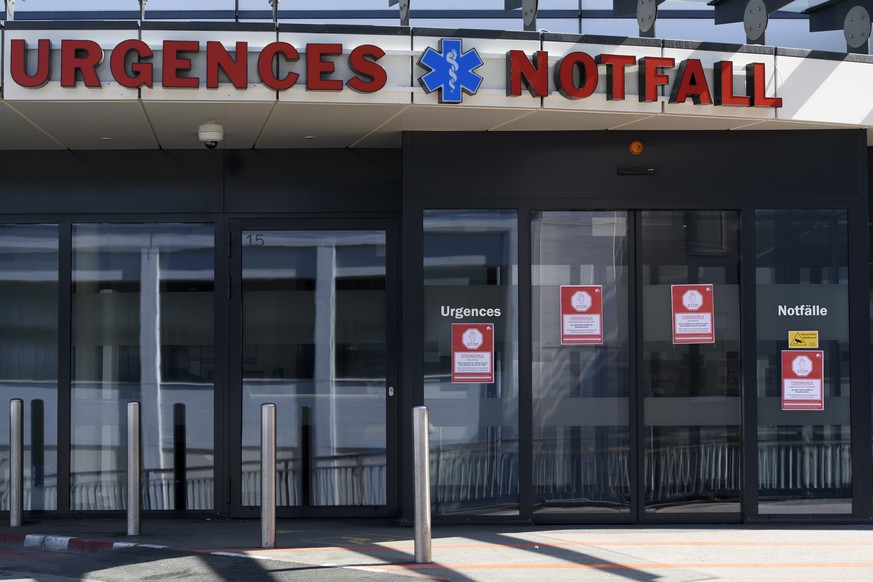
{"x": 314, "y": 306}
{"x": 142, "y": 331}
{"x": 29, "y": 355}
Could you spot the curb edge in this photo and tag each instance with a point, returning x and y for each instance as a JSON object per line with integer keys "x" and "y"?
{"x": 49, "y": 543}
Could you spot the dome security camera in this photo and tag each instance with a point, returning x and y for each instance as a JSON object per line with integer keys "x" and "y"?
{"x": 210, "y": 133}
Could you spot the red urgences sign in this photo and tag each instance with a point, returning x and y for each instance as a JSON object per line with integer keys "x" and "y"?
{"x": 80, "y": 58}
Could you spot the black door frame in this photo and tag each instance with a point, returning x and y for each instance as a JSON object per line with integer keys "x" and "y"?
{"x": 234, "y": 362}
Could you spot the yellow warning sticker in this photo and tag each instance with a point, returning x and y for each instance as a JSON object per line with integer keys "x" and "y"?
{"x": 802, "y": 339}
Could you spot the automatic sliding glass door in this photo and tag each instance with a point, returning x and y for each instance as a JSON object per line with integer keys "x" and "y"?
{"x": 581, "y": 366}
{"x": 690, "y": 376}
{"x": 636, "y": 364}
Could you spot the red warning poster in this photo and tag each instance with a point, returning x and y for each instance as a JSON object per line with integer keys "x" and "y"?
{"x": 693, "y": 314}
{"x": 581, "y": 314}
{"x": 472, "y": 353}
{"x": 802, "y": 380}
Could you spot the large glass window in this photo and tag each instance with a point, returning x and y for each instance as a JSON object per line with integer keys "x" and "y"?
{"x": 690, "y": 379}
{"x": 804, "y": 428}
{"x": 29, "y": 356}
{"x": 471, "y": 359}
{"x": 142, "y": 330}
{"x": 315, "y": 344}
{"x": 581, "y": 379}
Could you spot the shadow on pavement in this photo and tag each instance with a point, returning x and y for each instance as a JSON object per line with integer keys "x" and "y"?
{"x": 148, "y": 564}
{"x": 447, "y": 565}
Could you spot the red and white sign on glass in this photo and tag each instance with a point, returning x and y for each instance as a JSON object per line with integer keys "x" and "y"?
{"x": 472, "y": 353}
{"x": 693, "y": 314}
{"x": 802, "y": 380}
{"x": 581, "y": 315}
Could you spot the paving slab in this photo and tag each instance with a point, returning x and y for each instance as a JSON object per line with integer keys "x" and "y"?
{"x": 496, "y": 552}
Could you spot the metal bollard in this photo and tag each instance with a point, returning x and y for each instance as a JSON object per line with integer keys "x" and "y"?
{"x": 134, "y": 466}
{"x": 421, "y": 445}
{"x": 16, "y": 462}
{"x": 268, "y": 475}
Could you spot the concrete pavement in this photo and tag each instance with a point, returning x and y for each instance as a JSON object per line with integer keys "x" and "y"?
{"x": 495, "y": 552}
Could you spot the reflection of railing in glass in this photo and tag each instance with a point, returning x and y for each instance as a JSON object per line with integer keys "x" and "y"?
{"x": 338, "y": 480}
{"x": 89, "y": 492}
{"x": 172, "y": 442}
{"x": 32, "y": 496}
{"x": 790, "y": 469}
{"x": 465, "y": 474}
{"x": 682, "y": 472}
{"x": 462, "y": 475}
{"x": 693, "y": 471}
{"x": 568, "y": 477}
{"x": 706, "y": 472}
{"x": 92, "y": 491}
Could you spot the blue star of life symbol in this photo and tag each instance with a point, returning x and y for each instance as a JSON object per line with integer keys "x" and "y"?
{"x": 451, "y": 71}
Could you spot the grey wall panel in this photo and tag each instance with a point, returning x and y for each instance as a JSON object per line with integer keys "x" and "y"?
{"x": 95, "y": 182}
{"x": 340, "y": 181}
{"x": 167, "y": 182}
{"x": 690, "y": 168}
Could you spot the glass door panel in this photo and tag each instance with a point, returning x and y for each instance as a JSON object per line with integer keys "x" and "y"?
{"x": 29, "y": 259}
{"x": 142, "y": 330}
{"x": 470, "y": 285}
{"x": 802, "y": 280}
{"x": 690, "y": 382}
{"x": 581, "y": 374}
{"x": 314, "y": 342}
